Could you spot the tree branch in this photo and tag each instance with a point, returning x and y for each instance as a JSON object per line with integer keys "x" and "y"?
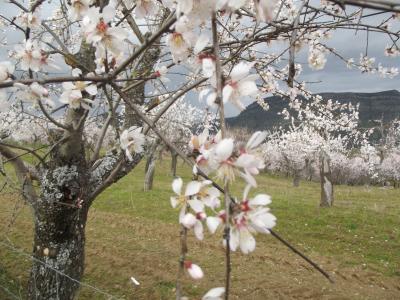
{"x": 22, "y": 172}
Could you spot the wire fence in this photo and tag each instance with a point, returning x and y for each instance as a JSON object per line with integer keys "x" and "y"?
{"x": 8, "y": 292}
{"x": 139, "y": 291}
{"x": 6, "y": 243}
{"x": 21, "y": 252}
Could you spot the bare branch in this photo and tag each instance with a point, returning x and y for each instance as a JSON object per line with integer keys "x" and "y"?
{"x": 22, "y": 172}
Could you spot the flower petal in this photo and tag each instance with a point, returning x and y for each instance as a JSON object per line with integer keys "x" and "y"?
{"x": 208, "y": 67}
{"x": 234, "y": 239}
{"x": 240, "y": 71}
{"x": 227, "y": 93}
{"x": 196, "y": 205}
{"x": 192, "y": 188}
{"x": 247, "y": 241}
{"x": 256, "y": 139}
{"x": 195, "y": 272}
{"x": 189, "y": 220}
{"x": 91, "y": 89}
{"x": 224, "y": 149}
{"x": 177, "y": 185}
{"x": 213, "y": 223}
{"x": 174, "y": 202}
{"x": 261, "y": 199}
{"x": 247, "y": 88}
{"x": 201, "y": 43}
{"x": 198, "y": 230}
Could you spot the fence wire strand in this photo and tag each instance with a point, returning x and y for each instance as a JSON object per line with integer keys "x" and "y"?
{"x": 83, "y": 284}
{"x": 14, "y": 296}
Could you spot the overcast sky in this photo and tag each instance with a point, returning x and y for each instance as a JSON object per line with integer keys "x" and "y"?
{"x": 335, "y": 77}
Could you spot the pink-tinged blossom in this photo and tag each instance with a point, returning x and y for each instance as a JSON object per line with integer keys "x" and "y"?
{"x": 227, "y": 159}
{"x": 205, "y": 61}
{"x": 214, "y": 294}
{"x": 252, "y": 216}
{"x": 197, "y": 195}
{"x": 161, "y": 73}
{"x": 182, "y": 199}
{"x": 31, "y": 56}
{"x": 199, "y": 142}
{"x": 221, "y": 160}
{"x": 194, "y": 270}
{"x": 33, "y": 93}
{"x": 132, "y": 141}
{"x": 72, "y": 94}
{"x": 250, "y": 160}
{"x": 181, "y": 40}
{"x": 239, "y": 84}
{"x": 194, "y": 222}
{"x": 99, "y": 32}
{"x": 206, "y": 196}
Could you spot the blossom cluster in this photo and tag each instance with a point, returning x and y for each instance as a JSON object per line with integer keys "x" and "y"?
{"x": 199, "y": 202}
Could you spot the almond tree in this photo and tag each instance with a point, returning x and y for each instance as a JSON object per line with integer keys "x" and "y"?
{"x": 113, "y": 57}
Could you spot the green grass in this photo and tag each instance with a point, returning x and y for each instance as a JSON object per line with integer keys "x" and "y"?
{"x": 364, "y": 222}
{"x": 126, "y": 231}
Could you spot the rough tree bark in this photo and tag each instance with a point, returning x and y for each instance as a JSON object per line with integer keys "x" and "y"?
{"x": 296, "y": 178}
{"x": 174, "y": 163}
{"x": 149, "y": 176}
{"x": 326, "y": 182}
{"x": 151, "y": 166}
{"x": 309, "y": 169}
{"x": 59, "y": 246}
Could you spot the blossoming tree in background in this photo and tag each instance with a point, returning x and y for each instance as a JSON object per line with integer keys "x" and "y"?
{"x": 83, "y": 61}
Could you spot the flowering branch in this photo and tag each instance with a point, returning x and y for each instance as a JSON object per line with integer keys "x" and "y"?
{"x": 220, "y": 102}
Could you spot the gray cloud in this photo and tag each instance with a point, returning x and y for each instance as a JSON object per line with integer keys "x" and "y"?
{"x": 335, "y": 77}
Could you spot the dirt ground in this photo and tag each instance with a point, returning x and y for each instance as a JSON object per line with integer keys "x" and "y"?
{"x": 120, "y": 246}
{"x": 271, "y": 272}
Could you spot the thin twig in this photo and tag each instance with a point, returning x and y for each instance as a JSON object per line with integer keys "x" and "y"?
{"x": 220, "y": 102}
{"x": 287, "y": 244}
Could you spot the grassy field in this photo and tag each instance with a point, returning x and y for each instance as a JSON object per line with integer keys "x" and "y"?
{"x": 132, "y": 233}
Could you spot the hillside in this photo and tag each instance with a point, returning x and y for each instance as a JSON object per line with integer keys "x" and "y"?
{"x": 373, "y": 106}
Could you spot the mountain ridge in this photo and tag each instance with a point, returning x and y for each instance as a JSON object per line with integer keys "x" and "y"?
{"x": 373, "y": 106}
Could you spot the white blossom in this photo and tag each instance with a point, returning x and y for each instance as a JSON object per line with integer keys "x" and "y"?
{"x": 194, "y": 270}
{"x": 132, "y": 141}
{"x": 239, "y": 84}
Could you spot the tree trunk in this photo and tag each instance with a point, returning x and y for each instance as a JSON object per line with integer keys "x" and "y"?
{"x": 174, "y": 162}
{"x": 149, "y": 177}
{"x": 296, "y": 179}
{"x": 58, "y": 252}
{"x": 326, "y": 183}
{"x": 309, "y": 169}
